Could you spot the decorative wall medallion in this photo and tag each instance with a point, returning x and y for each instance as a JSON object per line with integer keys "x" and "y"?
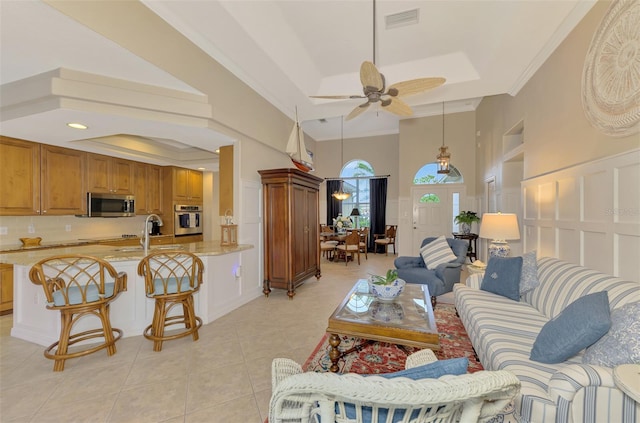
{"x": 611, "y": 74}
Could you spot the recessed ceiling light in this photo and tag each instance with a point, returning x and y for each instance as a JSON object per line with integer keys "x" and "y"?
{"x": 217, "y": 151}
{"x": 76, "y": 125}
{"x": 201, "y": 168}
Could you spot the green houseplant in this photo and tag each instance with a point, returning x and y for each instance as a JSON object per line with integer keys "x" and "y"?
{"x": 465, "y": 219}
{"x": 387, "y": 279}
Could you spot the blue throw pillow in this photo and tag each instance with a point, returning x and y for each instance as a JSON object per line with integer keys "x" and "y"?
{"x": 529, "y": 275}
{"x": 454, "y": 366}
{"x": 502, "y": 277}
{"x": 578, "y": 326}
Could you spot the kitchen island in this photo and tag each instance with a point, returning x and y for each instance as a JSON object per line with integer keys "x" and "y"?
{"x": 226, "y": 286}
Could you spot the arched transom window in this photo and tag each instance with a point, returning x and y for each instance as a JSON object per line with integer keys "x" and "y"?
{"x": 428, "y": 174}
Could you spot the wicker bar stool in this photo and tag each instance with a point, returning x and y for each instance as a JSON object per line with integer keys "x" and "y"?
{"x": 78, "y": 286}
{"x": 171, "y": 278}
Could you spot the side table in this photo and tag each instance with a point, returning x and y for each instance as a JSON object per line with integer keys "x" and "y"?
{"x": 627, "y": 378}
{"x": 475, "y": 269}
{"x": 472, "y": 238}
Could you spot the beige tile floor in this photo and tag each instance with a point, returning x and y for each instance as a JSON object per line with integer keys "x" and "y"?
{"x": 223, "y": 377}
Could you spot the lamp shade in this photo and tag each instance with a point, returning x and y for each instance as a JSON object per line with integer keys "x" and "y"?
{"x": 355, "y": 212}
{"x": 499, "y": 226}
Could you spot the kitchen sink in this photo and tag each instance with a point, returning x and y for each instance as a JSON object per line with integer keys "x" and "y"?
{"x": 129, "y": 249}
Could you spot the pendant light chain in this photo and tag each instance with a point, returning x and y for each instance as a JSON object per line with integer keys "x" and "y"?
{"x": 341, "y": 194}
{"x": 443, "y": 156}
{"x": 374, "y": 32}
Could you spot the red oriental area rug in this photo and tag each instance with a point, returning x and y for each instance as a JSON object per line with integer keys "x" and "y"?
{"x": 380, "y": 357}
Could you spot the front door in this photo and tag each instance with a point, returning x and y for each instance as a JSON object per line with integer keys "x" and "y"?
{"x": 433, "y": 210}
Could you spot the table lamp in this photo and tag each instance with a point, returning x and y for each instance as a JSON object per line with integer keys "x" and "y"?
{"x": 356, "y": 214}
{"x": 499, "y": 227}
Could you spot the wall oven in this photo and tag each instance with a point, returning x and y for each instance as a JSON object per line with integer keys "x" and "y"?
{"x": 188, "y": 220}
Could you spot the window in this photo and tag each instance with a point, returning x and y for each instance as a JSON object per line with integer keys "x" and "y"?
{"x": 355, "y": 175}
{"x": 430, "y": 198}
{"x": 428, "y": 174}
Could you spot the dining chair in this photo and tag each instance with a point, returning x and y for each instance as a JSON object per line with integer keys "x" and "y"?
{"x": 350, "y": 247}
{"x": 386, "y": 239}
{"x": 79, "y": 286}
{"x": 364, "y": 241}
{"x": 171, "y": 278}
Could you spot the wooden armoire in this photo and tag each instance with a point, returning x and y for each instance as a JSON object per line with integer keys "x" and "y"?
{"x": 291, "y": 224}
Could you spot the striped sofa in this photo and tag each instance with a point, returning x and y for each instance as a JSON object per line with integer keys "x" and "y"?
{"x": 503, "y": 331}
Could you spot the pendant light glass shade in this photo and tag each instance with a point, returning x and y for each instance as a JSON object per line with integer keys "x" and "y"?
{"x": 341, "y": 195}
{"x": 443, "y": 157}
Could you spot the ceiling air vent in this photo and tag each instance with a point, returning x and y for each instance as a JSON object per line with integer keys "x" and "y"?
{"x": 409, "y": 17}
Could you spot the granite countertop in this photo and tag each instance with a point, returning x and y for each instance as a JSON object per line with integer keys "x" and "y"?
{"x": 29, "y": 256}
{"x": 16, "y": 248}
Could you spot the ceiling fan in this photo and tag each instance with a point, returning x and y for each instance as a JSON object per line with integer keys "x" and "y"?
{"x": 375, "y": 90}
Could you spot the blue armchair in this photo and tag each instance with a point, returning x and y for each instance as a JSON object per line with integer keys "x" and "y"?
{"x": 439, "y": 280}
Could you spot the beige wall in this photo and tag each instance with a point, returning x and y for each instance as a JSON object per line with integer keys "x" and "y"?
{"x": 381, "y": 152}
{"x": 420, "y": 139}
{"x": 556, "y": 131}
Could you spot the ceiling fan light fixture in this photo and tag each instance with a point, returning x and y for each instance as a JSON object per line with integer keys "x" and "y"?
{"x": 374, "y": 86}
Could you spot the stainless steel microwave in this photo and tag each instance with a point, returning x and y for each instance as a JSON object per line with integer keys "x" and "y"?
{"x": 110, "y": 205}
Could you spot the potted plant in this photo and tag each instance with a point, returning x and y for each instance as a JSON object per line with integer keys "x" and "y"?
{"x": 465, "y": 219}
{"x": 386, "y": 287}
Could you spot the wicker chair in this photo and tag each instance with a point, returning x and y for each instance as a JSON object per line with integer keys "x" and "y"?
{"x": 78, "y": 286}
{"x": 171, "y": 278}
{"x": 299, "y": 396}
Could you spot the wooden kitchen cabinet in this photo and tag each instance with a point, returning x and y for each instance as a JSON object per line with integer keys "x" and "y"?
{"x": 19, "y": 177}
{"x": 109, "y": 175}
{"x": 63, "y": 188}
{"x": 6, "y": 288}
{"x": 148, "y": 188}
{"x": 291, "y": 223}
{"x": 185, "y": 185}
{"x": 39, "y": 179}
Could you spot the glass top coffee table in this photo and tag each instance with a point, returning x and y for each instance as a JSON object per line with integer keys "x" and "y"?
{"x": 408, "y": 320}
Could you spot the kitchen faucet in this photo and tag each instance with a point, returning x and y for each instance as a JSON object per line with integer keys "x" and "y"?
{"x": 145, "y": 233}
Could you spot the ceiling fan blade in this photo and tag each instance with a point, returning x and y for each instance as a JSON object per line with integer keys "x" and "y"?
{"x": 416, "y": 86}
{"x": 336, "y": 97}
{"x": 357, "y": 111}
{"x": 370, "y": 77}
{"x": 398, "y": 107}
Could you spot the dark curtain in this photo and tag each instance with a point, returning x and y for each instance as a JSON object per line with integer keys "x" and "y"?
{"x": 334, "y": 207}
{"x": 378, "y": 205}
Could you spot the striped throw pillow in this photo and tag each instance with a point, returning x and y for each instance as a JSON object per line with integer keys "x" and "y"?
{"x": 437, "y": 252}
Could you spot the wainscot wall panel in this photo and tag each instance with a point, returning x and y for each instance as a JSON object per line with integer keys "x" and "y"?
{"x": 597, "y": 218}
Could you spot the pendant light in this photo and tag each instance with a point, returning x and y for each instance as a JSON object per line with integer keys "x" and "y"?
{"x": 443, "y": 156}
{"x": 341, "y": 195}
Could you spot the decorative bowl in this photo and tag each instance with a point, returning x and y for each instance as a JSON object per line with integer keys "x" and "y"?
{"x": 387, "y": 292}
{"x": 30, "y": 242}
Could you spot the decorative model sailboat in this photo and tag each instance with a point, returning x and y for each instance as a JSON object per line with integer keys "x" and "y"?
{"x": 297, "y": 149}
